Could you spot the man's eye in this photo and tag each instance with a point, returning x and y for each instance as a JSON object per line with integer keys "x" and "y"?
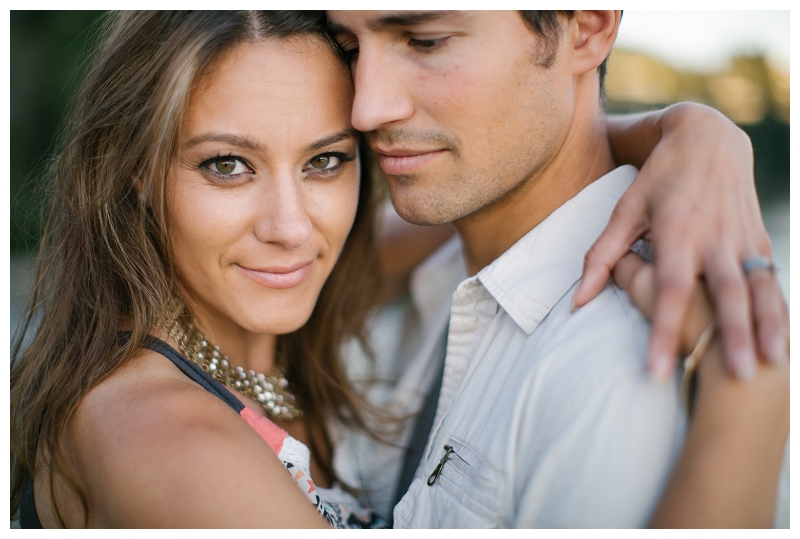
{"x": 427, "y": 44}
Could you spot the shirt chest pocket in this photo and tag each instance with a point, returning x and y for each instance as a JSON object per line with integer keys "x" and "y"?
{"x": 471, "y": 489}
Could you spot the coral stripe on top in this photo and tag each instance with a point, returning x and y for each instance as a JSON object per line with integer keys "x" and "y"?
{"x": 269, "y": 431}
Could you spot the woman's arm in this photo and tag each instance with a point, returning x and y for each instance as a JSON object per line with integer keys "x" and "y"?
{"x": 154, "y": 450}
{"x": 727, "y": 473}
{"x": 695, "y": 195}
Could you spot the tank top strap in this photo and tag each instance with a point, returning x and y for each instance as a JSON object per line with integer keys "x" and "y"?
{"x": 193, "y": 371}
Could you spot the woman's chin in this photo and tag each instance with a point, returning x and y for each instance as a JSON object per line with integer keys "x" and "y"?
{"x": 277, "y": 323}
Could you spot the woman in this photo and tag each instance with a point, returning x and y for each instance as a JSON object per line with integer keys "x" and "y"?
{"x": 211, "y": 180}
{"x": 221, "y": 180}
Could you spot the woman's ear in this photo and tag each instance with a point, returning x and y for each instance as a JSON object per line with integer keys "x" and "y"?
{"x": 593, "y": 35}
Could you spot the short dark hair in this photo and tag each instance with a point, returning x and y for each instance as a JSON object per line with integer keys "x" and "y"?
{"x": 545, "y": 23}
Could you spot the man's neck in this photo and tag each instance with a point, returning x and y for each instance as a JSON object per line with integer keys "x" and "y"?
{"x": 584, "y": 157}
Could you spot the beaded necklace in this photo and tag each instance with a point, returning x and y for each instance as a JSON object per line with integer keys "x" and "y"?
{"x": 271, "y": 391}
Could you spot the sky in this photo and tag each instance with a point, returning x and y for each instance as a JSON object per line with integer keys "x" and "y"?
{"x": 705, "y": 40}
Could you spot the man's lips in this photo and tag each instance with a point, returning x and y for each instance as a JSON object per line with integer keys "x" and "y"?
{"x": 280, "y": 276}
{"x": 401, "y": 162}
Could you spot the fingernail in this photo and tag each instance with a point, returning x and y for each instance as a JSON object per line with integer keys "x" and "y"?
{"x": 776, "y": 349}
{"x": 745, "y": 365}
{"x": 660, "y": 367}
{"x": 572, "y": 300}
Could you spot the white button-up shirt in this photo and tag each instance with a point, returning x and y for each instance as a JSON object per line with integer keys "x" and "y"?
{"x": 407, "y": 340}
{"x": 552, "y": 416}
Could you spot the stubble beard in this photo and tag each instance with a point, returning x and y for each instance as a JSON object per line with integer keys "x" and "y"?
{"x": 461, "y": 194}
{"x": 461, "y": 189}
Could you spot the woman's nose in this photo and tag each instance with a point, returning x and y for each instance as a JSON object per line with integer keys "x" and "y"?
{"x": 282, "y": 216}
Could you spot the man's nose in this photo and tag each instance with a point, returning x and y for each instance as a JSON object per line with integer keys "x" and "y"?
{"x": 381, "y": 97}
{"x": 282, "y": 216}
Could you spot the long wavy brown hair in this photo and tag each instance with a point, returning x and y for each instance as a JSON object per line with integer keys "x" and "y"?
{"x": 105, "y": 256}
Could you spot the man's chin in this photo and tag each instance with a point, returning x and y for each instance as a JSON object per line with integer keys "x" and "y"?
{"x": 423, "y": 211}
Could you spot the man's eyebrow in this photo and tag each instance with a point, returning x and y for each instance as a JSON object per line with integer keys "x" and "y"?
{"x": 332, "y": 139}
{"x": 229, "y": 138}
{"x": 406, "y": 18}
{"x": 393, "y": 20}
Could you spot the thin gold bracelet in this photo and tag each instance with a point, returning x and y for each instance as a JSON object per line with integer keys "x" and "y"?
{"x": 691, "y": 362}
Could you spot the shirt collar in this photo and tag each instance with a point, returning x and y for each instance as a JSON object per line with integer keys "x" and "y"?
{"x": 535, "y": 273}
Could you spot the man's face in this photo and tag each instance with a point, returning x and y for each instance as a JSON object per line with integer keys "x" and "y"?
{"x": 455, "y": 104}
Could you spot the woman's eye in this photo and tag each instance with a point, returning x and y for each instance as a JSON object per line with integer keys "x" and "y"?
{"x": 229, "y": 166}
{"x": 225, "y": 167}
{"x": 324, "y": 162}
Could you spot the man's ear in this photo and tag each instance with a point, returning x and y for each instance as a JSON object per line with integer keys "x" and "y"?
{"x": 593, "y": 35}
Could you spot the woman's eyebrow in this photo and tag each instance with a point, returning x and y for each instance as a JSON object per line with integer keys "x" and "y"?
{"x": 253, "y": 144}
{"x": 229, "y": 138}
{"x": 331, "y": 139}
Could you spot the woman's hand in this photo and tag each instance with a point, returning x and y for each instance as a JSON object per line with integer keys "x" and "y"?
{"x": 728, "y": 471}
{"x": 638, "y": 279}
{"x": 695, "y": 194}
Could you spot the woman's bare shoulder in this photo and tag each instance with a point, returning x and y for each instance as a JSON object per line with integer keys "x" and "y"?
{"x": 152, "y": 448}
{"x": 146, "y": 392}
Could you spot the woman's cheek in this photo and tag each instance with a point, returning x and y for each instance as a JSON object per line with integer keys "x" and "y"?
{"x": 206, "y": 222}
{"x": 335, "y": 207}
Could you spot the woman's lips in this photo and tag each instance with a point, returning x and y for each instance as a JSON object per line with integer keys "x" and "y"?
{"x": 399, "y": 165}
{"x": 276, "y": 277}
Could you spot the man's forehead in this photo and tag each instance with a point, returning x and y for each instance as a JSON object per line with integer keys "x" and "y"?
{"x": 349, "y": 22}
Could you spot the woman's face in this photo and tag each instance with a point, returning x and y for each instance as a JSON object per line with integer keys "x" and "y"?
{"x": 265, "y": 191}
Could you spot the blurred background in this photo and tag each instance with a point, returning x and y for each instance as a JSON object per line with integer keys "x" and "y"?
{"x": 736, "y": 61}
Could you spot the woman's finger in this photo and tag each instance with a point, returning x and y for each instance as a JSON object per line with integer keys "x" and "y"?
{"x": 675, "y": 278}
{"x": 635, "y": 277}
{"x": 626, "y": 225}
{"x": 767, "y": 309}
{"x": 731, "y": 298}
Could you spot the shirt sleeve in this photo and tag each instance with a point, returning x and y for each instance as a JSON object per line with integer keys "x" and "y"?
{"x": 604, "y": 436}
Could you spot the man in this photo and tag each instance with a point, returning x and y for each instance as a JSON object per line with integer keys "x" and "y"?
{"x": 494, "y": 122}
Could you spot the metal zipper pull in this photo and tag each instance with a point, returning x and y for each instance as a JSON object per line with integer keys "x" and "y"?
{"x": 435, "y": 475}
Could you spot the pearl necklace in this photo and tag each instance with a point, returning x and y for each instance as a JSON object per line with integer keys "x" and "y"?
{"x": 270, "y": 391}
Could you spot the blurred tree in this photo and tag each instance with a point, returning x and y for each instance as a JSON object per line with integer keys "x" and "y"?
{"x": 770, "y": 139}
{"x": 48, "y": 51}
{"x": 748, "y": 91}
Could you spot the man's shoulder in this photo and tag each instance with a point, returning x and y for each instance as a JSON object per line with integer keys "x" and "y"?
{"x": 605, "y": 338}
{"x": 591, "y": 363}
{"x": 593, "y": 416}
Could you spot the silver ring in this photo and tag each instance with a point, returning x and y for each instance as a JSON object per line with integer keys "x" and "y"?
{"x": 755, "y": 263}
